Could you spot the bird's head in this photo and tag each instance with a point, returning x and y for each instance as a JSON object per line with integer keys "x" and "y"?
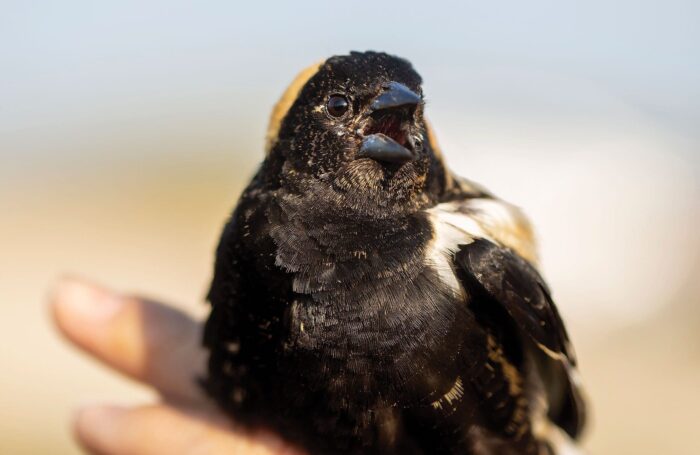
{"x": 354, "y": 126}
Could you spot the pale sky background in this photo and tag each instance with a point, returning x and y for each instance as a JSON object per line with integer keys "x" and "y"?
{"x": 128, "y": 129}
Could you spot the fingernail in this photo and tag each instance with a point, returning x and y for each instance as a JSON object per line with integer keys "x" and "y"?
{"x": 97, "y": 413}
{"x": 86, "y": 301}
{"x": 94, "y": 425}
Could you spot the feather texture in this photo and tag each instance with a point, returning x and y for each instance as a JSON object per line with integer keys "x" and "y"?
{"x": 361, "y": 306}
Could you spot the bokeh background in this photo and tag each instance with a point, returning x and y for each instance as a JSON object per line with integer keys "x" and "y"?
{"x": 128, "y": 130}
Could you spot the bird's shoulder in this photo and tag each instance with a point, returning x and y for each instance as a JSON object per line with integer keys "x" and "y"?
{"x": 471, "y": 212}
{"x": 485, "y": 248}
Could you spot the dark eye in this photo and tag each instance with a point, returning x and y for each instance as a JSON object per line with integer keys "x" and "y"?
{"x": 337, "y": 105}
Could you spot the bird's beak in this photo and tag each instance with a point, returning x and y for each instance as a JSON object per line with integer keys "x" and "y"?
{"x": 395, "y": 95}
{"x": 384, "y": 147}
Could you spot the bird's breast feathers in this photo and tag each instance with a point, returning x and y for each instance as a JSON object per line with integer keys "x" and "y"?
{"x": 344, "y": 303}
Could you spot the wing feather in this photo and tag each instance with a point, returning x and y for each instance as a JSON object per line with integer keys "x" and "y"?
{"x": 502, "y": 280}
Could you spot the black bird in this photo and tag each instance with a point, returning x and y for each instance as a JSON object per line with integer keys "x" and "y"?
{"x": 366, "y": 300}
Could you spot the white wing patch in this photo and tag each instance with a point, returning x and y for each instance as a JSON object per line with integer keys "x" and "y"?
{"x": 459, "y": 223}
{"x": 450, "y": 230}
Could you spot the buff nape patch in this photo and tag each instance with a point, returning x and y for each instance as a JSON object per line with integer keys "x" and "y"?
{"x": 285, "y": 103}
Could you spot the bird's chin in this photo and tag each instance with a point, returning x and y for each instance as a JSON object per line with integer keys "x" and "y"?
{"x": 369, "y": 185}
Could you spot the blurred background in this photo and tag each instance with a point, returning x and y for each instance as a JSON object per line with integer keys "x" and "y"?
{"x": 128, "y": 130}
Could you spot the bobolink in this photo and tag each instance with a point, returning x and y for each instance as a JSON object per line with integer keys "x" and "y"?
{"x": 366, "y": 300}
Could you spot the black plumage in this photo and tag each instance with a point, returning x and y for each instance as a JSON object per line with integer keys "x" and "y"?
{"x": 366, "y": 300}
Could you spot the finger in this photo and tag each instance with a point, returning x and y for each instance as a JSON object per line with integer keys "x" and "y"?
{"x": 160, "y": 429}
{"x": 145, "y": 340}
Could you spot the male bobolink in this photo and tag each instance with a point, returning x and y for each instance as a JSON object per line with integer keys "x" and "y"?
{"x": 366, "y": 300}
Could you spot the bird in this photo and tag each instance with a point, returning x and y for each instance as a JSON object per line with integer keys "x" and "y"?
{"x": 366, "y": 299}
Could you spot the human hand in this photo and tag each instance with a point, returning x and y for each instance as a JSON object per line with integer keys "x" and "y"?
{"x": 161, "y": 347}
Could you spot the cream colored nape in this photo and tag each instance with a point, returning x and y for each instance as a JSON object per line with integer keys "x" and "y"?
{"x": 285, "y": 102}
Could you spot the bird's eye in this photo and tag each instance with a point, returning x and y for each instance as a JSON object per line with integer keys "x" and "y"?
{"x": 337, "y": 105}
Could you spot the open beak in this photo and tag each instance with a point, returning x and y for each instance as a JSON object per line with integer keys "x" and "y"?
{"x": 387, "y": 138}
